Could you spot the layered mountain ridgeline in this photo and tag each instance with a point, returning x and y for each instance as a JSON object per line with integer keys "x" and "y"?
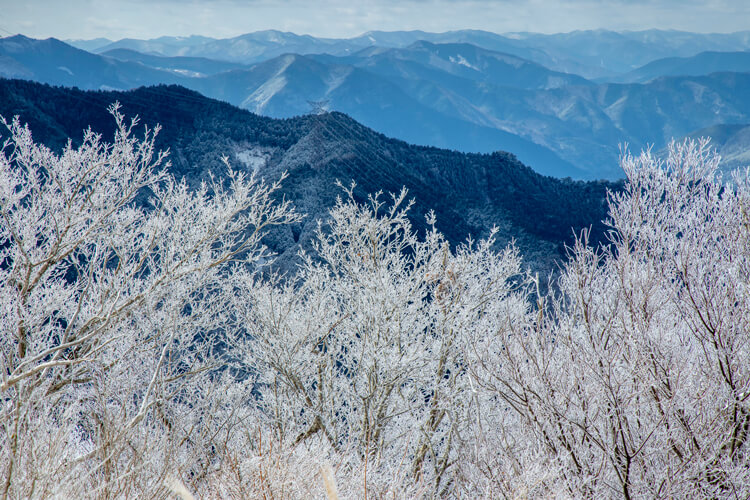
{"x": 53, "y": 61}
{"x": 469, "y": 192}
{"x": 263, "y": 45}
{"x": 393, "y": 91}
{"x": 704, "y": 63}
{"x": 589, "y": 53}
{"x": 451, "y": 95}
{"x": 603, "y": 53}
{"x": 188, "y": 66}
{"x": 424, "y": 60}
{"x": 427, "y": 111}
{"x": 279, "y": 88}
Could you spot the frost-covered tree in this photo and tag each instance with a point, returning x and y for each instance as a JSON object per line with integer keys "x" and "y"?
{"x": 635, "y": 382}
{"x": 365, "y": 348}
{"x": 139, "y": 348}
{"x": 110, "y": 272}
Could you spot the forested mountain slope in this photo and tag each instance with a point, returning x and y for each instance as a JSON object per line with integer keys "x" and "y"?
{"x": 469, "y": 192}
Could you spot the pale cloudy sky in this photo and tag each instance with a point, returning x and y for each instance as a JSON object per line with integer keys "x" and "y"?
{"x": 117, "y": 19}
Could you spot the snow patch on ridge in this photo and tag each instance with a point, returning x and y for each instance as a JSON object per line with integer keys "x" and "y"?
{"x": 185, "y": 72}
{"x": 463, "y": 62}
{"x": 258, "y": 100}
{"x": 337, "y": 77}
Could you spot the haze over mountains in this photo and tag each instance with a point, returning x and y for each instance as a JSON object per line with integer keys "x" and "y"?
{"x": 561, "y": 103}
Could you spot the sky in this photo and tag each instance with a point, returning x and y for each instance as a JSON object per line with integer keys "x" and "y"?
{"x": 113, "y": 19}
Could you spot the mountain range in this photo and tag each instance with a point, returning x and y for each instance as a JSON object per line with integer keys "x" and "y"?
{"x": 703, "y": 63}
{"x": 590, "y": 53}
{"x": 468, "y": 90}
{"x": 613, "y": 52}
{"x": 188, "y": 66}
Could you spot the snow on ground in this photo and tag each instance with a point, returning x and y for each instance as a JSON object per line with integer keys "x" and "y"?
{"x": 253, "y": 158}
{"x": 186, "y": 72}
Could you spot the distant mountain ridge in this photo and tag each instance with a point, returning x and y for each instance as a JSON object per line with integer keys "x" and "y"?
{"x": 700, "y": 64}
{"x": 589, "y": 53}
{"x": 164, "y": 45}
{"x": 615, "y": 52}
{"x": 465, "y": 61}
{"x": 187, "y": 66}
{"x": 282, "y": 88}
{"x": 453, "y": 95}
{"x": 53, "y": 61}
